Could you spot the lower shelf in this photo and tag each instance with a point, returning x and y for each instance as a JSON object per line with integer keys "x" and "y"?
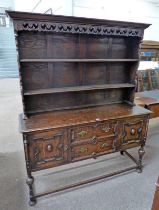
{"x": 138, "y": 166}
{"x": 78, "y": 88}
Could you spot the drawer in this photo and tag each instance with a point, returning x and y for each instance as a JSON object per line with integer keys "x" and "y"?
{"x": 133, "y": 130}
{"x": 48, "y": 149}
{"x": 92, "y": 148}
{"x": 81, "y": 133}
{"x": 96, "y": 129}
{"x": 105, "y": 129}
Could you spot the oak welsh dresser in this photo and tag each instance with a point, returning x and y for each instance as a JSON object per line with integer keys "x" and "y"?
{"x": 77, "y": 78}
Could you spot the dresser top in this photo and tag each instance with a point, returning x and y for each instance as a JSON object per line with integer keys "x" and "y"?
{"x": 17, "y": 15}
{"x": 24, "y": 21}
{"x": 81, "y": 116}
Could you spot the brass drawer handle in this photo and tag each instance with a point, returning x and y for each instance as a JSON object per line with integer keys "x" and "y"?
{"x": 83, "y": 149}
{"x": 106, "y": 129}
{"x": 104, "y": 145}
{"x": 82, "y": 133}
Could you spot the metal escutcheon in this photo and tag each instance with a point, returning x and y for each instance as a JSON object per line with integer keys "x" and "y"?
{"x": 94, "y": 140}
{"x": 106, "y": 129}
{"x": 82, "y": 133}
{"x": 104, "y": 145}
{"x": 83, "y": 149}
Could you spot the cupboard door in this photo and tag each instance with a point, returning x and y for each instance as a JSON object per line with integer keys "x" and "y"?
{"x": 48, "y": 149}
{"x": 134, "y": 131}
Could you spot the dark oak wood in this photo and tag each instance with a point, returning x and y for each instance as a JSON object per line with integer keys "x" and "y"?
{"x": 77, "y": 88}
{"x": 79, "y": 116}
{"x": 77, "y": 60}
{"x": 77, "y": 78}
{"x": 66, "y": 52}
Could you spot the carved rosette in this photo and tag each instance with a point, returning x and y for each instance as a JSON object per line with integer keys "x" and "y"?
{"x": 76, "y": 28}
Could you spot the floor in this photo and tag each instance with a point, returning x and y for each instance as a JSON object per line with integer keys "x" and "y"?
{"x": 131, "y": 191}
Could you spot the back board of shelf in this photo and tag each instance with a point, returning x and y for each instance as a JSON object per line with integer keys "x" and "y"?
{"x": 72, "y": 62}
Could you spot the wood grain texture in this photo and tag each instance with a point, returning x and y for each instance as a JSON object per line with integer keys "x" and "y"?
{"x": 77, "y": 60}
{"x": 79, "y": 116}
{"x": 77, "y": 88}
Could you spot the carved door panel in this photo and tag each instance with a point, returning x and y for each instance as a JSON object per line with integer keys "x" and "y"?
{"x": 134, "y": 131}
{"x": 48, "y": 149}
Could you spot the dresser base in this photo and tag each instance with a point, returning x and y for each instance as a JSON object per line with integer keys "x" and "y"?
{"x": 138, "y": 167}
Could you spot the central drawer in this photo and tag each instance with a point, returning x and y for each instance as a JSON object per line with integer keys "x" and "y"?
{"x": 91, "y": 148}
{"x": 92, "y": 140}
{"x": 99, "y": 129}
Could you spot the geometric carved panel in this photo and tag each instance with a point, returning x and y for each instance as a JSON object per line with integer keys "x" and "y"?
{"x": 47, "y": 149}
{"x": 132, "y": 132}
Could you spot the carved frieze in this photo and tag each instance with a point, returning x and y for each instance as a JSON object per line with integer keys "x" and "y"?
{"x": 76, "y": 28}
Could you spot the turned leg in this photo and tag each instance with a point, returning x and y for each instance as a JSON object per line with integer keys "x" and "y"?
{"x": 30, "y": 179}
{"x": 30, "y": 182}
{"x": 141, "y": 153}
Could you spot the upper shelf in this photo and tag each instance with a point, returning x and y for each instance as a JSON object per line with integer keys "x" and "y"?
{"x": 78, "y": 88}
{"x": 77, "y": 60}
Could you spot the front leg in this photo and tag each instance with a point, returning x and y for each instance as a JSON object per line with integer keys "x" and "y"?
{"x": 30, "y": 179}
{"x": 30, "y": 182}
{"x": 141, "y": 153}
{"x": 122, "y": 152}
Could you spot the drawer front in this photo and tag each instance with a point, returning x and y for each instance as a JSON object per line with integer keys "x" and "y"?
{"x": 105, "y": 129}
{"x": 48, "y": 149}
{"x": 98, "y": 129}
{"x": 133, "y": 130}
{"x": 81, "y": 132}
{"x": 92, "y": 148}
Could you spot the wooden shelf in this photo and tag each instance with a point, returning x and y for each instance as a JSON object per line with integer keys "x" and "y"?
{"x": 77, "y": 60}
{"x": 77, "y": 88}
{"x": 74, "y": 107}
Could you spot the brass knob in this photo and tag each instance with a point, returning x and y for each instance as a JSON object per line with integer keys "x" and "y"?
{"x": 132, "y": 131}
{"x": 94, "y": 153}
{"x": 49, "y": 147}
